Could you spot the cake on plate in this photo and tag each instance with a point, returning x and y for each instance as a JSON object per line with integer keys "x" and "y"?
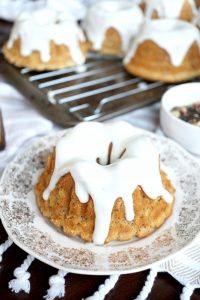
{"x": 103, "y": 182}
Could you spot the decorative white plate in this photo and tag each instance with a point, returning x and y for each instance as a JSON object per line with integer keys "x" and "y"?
{"x": 37, "y": 236}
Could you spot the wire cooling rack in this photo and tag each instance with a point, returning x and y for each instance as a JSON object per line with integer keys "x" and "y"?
{"x": 99, "y": 90}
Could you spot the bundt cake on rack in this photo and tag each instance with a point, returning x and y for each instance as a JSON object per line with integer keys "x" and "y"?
{"x": 45, "y": 40}
{"x": 110, "y": 25}
{"x": 166, "y": 50}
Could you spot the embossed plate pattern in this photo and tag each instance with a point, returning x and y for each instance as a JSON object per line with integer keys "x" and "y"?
{"x": 37, "y": 236}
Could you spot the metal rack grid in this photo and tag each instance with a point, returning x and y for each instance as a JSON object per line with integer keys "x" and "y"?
{"x": 99, "y": 90}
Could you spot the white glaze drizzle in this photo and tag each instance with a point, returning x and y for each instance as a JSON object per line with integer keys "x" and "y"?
{"x": 174, "y": 36}
{"x": 138, "y": 2}
{"x": 167, "y": 8}
{"x": 38, "y": 28}
{"x": 77, "y": 152}
{"x": 123, "y": 16}
{"x": 74, "y": 8}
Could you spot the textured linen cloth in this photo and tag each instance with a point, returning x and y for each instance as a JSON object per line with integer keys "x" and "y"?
{"x": 21, "y": 121}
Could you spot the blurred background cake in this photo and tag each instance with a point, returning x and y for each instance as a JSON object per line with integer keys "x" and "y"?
{"x": 178, "y": 9}
{"x": 110, "y": 25}
{"x": 46, "y": 40}
{"x": 166, "y": 50}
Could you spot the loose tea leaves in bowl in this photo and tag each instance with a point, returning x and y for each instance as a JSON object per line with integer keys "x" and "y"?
{"x": 188, "y": 113}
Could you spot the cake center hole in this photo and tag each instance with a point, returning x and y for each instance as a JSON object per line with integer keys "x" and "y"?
{"x": 109, "y": 155}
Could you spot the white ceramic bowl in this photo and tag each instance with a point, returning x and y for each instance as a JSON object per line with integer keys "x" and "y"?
{"x": 184, "y": 133}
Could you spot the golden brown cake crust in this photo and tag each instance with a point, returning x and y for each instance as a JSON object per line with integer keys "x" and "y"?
{"x": 65, "y": 210}
{"x": 112, "y": 44}
{"x": 197, "y": 3}
{"x": 60, "y": 57}
{"x": 186, "y": 12}
{"x": 153, "y": 63}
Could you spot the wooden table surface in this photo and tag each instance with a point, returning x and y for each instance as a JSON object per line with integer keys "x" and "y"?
{"x": 79, "y": 286}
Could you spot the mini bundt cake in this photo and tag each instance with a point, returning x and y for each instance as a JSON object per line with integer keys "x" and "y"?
{"x": 166, "y": 50}
{"x": 103, "y": 183}
{"x": 110, "y": 25}
{"x": 45, "y": 40}
{"x": 175, "y": 9}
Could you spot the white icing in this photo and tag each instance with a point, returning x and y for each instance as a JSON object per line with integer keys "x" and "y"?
{"x": 123, "y": 16}
{"x": 138, "y": 2}
{"x": 167, "y": 8}
{"x": 196, "y": 20}
{"x": 77, "y": 152}
{"x": 174, "y": 36}
{"x": 75, "y": 8}
{"x": 38, "y": 28}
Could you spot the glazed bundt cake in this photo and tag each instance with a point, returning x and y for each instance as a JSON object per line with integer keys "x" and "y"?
{"x": 166, "y": 50}
{"x": 45, "y": 40}
{"x": 110, "y": 25}
{"x": 103, "y": 183}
